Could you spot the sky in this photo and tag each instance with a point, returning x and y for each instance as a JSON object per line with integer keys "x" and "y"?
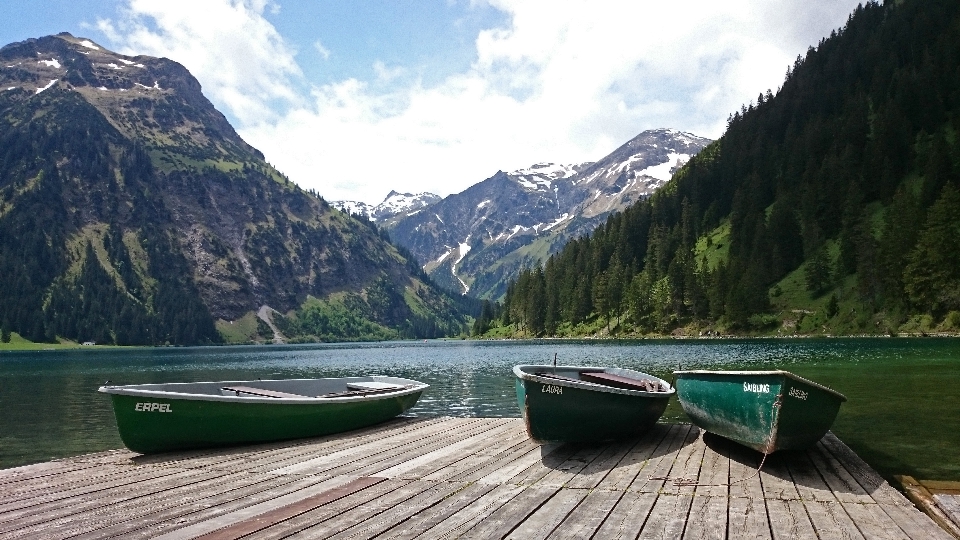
{"x": 355, "y": 98}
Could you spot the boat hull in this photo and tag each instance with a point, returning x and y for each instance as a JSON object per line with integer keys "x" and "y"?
{"x": 563, "y": 411}
{"x": 153, "y": 422}
{"x": 763, "y": 410}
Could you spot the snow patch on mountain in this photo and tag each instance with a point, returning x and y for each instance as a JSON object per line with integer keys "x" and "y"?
{"x": 51, "y": 63}
{"x": 464, "y": 249}
{"x": 665, "y": 170}
{"x": 552, "y": 171}
{"x": 89, "y": 44}
{"x": 49, "y": 84}
{"x": 393, "y": 205}
{"x": 445, "y": 255}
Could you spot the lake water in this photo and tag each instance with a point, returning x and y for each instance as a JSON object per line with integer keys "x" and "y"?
{"x": 902, "y": 415}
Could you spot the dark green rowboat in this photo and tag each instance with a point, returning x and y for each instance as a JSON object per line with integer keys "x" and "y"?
{"x": 580, "y": 403}
{"x": 178, "y": 416}
{"x": 764, "y": 410}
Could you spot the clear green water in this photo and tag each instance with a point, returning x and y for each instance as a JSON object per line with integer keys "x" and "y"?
{"x": 902, "y": 413}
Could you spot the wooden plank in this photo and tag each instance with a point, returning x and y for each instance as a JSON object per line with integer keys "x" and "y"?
{"x": 514, "y": 442}
{"x": 34, "y": 471}
{"x": 652, "y": 477}
{"x": 924, "y": 500}
{"x": 807, "y": 479}
{"x": 747, "y": 518}
{"x": 48, "y": 493}
{"x": 429, "y": 462}
{"x": 776, "y": 480}
{"x": 636, "y": 459}
{"x": 508, "y": 465}
{"x": 504, "y": 519}
{"x": 63, "y": 511}
{"x": 685, "y": 473}
{"x": 744, "y": 476}
{"x": 587, "y": 517}
{"x": 871, "y": 481}
{"x": 243, "y": 509}
{"x": 237, "y": 503}
{"x": 950, "y": 504}
{"x": 355, "y": 518}
{"x": 598, "y": 469}
{"x": 341, "y": 461}
{"x": 707, "y": 519}
{"x": 346, "y": 506}
{"x": 826, "y": 514}
{"x": 261, "y": 392}
{"x": 871, "y": 519}
{"x": 565, "y": 472}
{"x": 427, "y": 519}
{"x": 391, "y": 517}
{"x": 476, "y": 512}
{"x": 843, "y": 485}
{"x": 628, "y": 517}
{"x": 391, "y": 457}
{"x": 285, "y": 512}
{"x": 708, "y": 510}
{"x": 76, "y": 517}
{"x": 831, "y": 521}
{"x": 789, "y": 520}
{"x": 268, "y": 456}
{"x": 350, "y": 453}
{"x": 545, "y": 519}
{"x": 669, "y": 515}
{"x": 541, "y": 462}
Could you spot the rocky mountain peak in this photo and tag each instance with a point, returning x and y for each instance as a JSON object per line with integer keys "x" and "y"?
{"x": 143, "y": 97}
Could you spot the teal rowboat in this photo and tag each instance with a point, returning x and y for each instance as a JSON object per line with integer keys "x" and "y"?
{"x": 587, "y": 404}
{"x": 178, "y": 416}
{"x": 764, "y": 410}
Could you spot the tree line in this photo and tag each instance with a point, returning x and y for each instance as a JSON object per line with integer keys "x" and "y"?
{"x": 852, "y": 168}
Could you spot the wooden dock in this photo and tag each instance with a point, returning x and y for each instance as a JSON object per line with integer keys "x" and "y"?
{"x": 461, "y": 477}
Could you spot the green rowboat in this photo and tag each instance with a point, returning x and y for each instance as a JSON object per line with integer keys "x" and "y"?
{"x": 764, "y": 410}
{"x": 178, "y": 416}
{"x": 587, "y": 404}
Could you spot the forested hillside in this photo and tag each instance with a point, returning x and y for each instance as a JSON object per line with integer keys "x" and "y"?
{"x": 832, "y": 205}
{"x": 132, "y": 213}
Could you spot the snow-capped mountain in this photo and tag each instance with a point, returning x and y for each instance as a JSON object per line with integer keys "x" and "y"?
{"x": 393, "y": 206}
{"x": 476, "y": 240}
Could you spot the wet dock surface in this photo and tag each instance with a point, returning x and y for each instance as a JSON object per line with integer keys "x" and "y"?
{"x": 462, "y": 477}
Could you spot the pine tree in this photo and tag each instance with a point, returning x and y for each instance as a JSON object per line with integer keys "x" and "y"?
{"x": 932, "y": 275}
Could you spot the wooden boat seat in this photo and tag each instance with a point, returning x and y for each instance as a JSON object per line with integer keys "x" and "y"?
{"x": 261, "y": 392}
{"x": 555, "y": 376}
{"x": 617, "y": 381}
{"x": 357, "y": 391}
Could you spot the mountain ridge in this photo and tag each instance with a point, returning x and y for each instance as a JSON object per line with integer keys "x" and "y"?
{"x": 121, "y": 160}
{"x": 477, "y": 239}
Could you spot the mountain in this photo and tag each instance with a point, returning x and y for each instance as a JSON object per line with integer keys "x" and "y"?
{"x": 477, "y": 240}
{"x": 831, "y": 206}
{"x": 394, "y": 206}
{"x": 131, "y": 212}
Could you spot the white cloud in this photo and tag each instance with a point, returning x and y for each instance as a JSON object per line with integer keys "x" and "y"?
{"x": 563, "y": 82}
{"x": 323, "y": 51}
{"x": 243, "y": 63}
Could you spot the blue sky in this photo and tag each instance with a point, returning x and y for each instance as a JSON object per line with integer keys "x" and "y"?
{"x": 355, "y": 98}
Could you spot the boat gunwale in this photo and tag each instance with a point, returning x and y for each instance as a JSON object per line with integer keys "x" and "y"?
{"x": 779, "y": 372}
{"x": 585, "y": 385}
{"x": 136, "y": 390}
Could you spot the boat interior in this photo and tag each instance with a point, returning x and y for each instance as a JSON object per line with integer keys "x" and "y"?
{"x": 289, "y": 388}
{"x": 604, "y": 378}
